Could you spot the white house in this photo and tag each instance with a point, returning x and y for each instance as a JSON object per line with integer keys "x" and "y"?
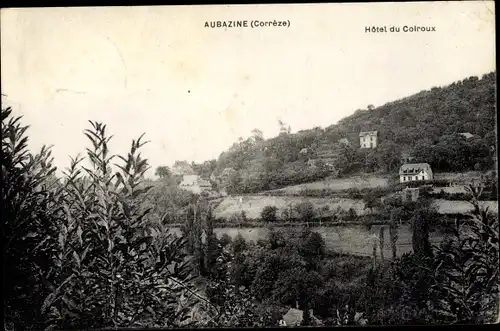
{"x": 195, "y": 184}
{"x": 368, "y": 139}
{"x": 415, "y": 172}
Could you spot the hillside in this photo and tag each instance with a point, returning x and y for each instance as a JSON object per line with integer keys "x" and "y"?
{"x": 424, "y": 126}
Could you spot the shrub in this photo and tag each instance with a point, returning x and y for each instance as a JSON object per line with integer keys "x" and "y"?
{"x": 239, "y": 244}
{"x": 104, "y": 265}
{"x": 225, "y": 240}
{"x": 305, "y": 210}
{"x": 268, "y": 214}
{"x": 30, "y": 219}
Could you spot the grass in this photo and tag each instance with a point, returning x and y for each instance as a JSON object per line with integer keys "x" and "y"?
{"x": 253, "y": 205}
{"x": 338, "y": 184}
{"x": 462, "y": 207}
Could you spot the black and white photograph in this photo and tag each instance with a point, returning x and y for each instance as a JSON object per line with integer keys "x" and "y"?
{"x": 249, "y": 166}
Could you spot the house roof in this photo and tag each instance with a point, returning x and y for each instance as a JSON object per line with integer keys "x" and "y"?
{"x": 293, "y": 317}
{"x": 304, "y": 150}
{"x": 414, "y": 168}
{"x": 368, "y": 133}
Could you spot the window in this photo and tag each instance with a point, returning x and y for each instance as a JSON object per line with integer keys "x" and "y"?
{"x": 404, "y": 178}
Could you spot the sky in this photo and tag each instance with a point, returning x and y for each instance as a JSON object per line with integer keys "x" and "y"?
{"x": 195, "y": 90}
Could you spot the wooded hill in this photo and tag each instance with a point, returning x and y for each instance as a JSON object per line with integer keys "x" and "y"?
{"x": 424, "y": 125}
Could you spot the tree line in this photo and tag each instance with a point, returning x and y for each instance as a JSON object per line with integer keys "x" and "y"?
{"x": 426, "y": 125}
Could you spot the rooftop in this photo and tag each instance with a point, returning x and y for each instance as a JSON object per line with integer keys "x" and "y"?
{"x": 414, "y": 168}
{"x": 368, "y": 133}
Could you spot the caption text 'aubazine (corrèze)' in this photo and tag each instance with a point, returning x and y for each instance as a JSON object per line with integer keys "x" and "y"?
{"x": 248, "y": 24}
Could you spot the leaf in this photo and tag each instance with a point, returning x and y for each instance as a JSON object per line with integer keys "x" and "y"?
{"x": 49, "y": 300}
{"x": 77, "y": 259}
{"x": 61, "y": 240}
{"x": 79, "y": 234}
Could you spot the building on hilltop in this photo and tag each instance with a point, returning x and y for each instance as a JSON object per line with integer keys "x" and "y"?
{"x": 195, "y": 184}
{"x": 368, "y": 139}
{"x": 415, "y": 172}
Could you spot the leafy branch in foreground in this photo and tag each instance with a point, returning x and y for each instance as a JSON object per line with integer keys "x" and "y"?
{"x": 113, "y": 268}
{"x": 29, "y": 217}
{"x": 466, "y": 275}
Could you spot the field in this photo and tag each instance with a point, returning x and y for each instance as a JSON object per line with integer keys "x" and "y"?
{"x": 462, "y": 207}
{"x": 253, "y": 205}
{"x": 458, "y": 177}
{"x": 342, "y": 239}
{"x": 338, "y": 184}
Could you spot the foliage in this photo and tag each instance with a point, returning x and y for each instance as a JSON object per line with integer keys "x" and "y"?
{"x": 457, "y": 283}
{"x": 467, "y": 280}
{"x": 305, "y": 211}
{"x": 239, "y": 244}
{"x": 30, "y": 205}
{"x": 97, "y": 262}
{"x": 168, "y": 203}
{"x": 268, "y": 213}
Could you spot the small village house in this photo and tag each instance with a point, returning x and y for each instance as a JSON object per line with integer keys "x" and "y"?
{"x": 368, "y": 139}
{"x": 195, "y": 184}
{"x": 415, "y": 172}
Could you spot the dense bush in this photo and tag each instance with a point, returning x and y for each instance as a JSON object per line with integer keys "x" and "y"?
{"x": 95, "y": 260}
{"x": 268, "y": 214}
{"x": 30, "y": 209}
{"x": 305, "y": 211}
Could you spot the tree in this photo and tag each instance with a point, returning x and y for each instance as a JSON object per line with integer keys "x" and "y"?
{"x": 466, "y": 284}
{"x": 305, "y": 211}
{"x": 312, "y": 245}
{"x": 257, "y": 135}
{"x": 371, "y": 201}
{"x": 420, "y": 239}
{"x": 268, "y": 213}
{"x": 163, "y": 172}
{"x": 212, "y": 248}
